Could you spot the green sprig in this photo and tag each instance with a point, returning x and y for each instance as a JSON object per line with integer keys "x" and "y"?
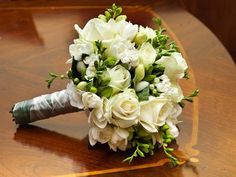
{"x": 167, "y": 138}
{"x": 189, "y": 98}
{"x": 53, "y": 76}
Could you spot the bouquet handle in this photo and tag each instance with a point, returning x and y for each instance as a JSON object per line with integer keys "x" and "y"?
{"x": 42, "y": 107}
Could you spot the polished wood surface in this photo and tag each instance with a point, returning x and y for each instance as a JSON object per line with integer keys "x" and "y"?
{"x": 34, "y": 39}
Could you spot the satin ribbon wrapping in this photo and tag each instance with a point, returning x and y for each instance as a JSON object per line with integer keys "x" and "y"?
{"x": 42, "y": 107}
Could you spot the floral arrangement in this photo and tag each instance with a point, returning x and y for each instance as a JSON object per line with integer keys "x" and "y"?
{"x": 126, "y": 77}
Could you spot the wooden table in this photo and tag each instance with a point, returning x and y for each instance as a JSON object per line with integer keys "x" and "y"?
{"x": 34, "y": 39}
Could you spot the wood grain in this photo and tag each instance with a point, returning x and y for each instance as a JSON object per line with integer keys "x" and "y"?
{"x": 34, "y": 39}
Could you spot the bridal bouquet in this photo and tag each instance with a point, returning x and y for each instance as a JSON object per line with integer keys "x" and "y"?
{"x": 126, "y": 77}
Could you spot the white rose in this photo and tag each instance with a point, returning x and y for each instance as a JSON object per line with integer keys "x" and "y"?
{"x": 119, "y": 139}
{"x": 102, "y": 135}
{"x": 80, "y": 47}
{"x": 168, "y": 89}
{"x": 147, "y": 54}
{"x": 153, "y": 113}
{"x": 175, "y": 66}
{"x": 95, "y": 29}
{"x": 100, "y": 115}
{"x": 90, "y": 100}
{"x": 120, "y": 78}
{"x": 75, "y": 95}
{"x": 125, "y": 109}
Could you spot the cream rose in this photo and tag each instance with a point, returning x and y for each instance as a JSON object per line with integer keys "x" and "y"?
{"x": 125, "y": 109}
{"x": 147, "y": 54}
{"x": 175, "y": 66}
{"x": 120, "y": 78}
{"x": 153, "y": 113}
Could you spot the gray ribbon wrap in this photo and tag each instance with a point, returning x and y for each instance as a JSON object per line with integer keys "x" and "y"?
{"x": 42, "y": 107}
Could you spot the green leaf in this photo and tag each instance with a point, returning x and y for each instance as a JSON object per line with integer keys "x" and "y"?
{"x": 106, "y": 92}
{"x": 144, "y": 94}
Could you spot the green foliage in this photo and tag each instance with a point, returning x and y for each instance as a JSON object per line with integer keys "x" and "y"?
{"x": 53, "y": 76}
{"x": 144, "y": 94}
{"x": 167, "y": 138}
{"x": 113, "y": 12}
{"x": 189, "y": 98}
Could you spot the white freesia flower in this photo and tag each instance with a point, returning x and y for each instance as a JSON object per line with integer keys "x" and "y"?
{"x": 90, "y": 100}
{"x": 147, "y": 54}
{"x": 172, "y": 120}
{"x": 153, "y": 113}
{"x": 125, "y": 109}
{"x": 80, "y": 47}
{"x": 126, "y": 30}
{"x": 149, "y": 32}
{"x": 168, "y": 89}
{"x": 102, "y": 135}
{"x": 120, "y": 78}
{"x": 116, "y": 137}
{"x": 119, "y": 139}
{"x": 175, "y": 66}
{"x": 95, "y": 29}
{"x": 100, "y": 115}
{"x": 91, "y": 58}
{"x": 123, "y": 51}
{"x": 75, "y": 95}
{"x": 90, "y": 71}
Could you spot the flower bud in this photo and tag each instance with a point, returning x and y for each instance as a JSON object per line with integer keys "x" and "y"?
{"x": 139, "y": 73}
{"x": 140, "y": 38}
{"x": 121, "y": 17}
{"x": 81, "y": 67}
{"x": 108, "y": 15}
{"x": 141, "y": 85}
{"x": 93, "y": 90}
{"x": 102, "y": 17}
{"x": 82, "y": 86}
{"x": 76, "y": 80}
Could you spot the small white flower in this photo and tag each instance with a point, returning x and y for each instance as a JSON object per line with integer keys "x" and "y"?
{"x": 120, "y": 78}
{"x": 90, "y": 71}
{"x": 95, "y": 29}
{"x": 119, "y": 139}
{"x": 125, "y": 109}
{"x": 149, "y": 32}
{"x": 100, "y": 115}
{"x": 80, "y": 47}
{"x": 90, "y": 100}
{"x": 126, "y": 30}
{"x": 116, "y": 137}
{"x": 75, "y": 95}
{"x": 147, "y": 54}
{"x": 91, "y": 58}
{"x": 175, "y": 66}
{"x": 130, "y": 57}
{"x": 102, "y": 135}
{"x": 168, "y": 89}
